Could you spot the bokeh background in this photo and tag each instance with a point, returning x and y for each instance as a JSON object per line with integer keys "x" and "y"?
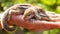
{"x": 49, "y": 5}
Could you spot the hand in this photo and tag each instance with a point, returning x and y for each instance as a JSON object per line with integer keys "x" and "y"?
{"x": 36, "y": 25}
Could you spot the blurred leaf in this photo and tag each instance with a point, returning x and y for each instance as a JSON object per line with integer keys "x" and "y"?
{"x": 58, "y": 2}
{"x": 48, "y": 2}
{"x": 45, "y": 32}
{"x": 19, "y": 1}
{"x": 54, "y": 31}
{"x": 58, "y": 9}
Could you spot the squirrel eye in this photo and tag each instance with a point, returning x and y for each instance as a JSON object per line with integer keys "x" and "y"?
{"x": 29, "y": 14}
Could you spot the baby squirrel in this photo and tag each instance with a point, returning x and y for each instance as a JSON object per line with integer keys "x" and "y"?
{"x": 15, "y": 10}
{"x": 35, "y": 12}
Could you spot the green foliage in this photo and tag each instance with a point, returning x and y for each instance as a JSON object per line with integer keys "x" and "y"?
{"x": 48, "y": 2}
{"x": 19, "y": 1}
{"x": 58, "y": 9}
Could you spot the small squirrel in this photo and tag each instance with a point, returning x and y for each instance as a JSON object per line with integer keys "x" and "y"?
{"x": 36, "y": 13}
{"x": 15, "y": 10}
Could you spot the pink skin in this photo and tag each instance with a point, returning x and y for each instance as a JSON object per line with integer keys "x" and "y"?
{"x": 33, "y": 25}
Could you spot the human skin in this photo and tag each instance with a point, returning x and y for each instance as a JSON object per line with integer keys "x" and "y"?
{"x": 35, "y": 25}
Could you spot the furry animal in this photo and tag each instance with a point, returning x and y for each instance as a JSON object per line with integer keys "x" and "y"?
{"x": 35, "y": 13}
{"x": 15, "y": 10}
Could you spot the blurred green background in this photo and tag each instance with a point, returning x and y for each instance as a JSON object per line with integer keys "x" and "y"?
{"x": 49, "y": 5}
